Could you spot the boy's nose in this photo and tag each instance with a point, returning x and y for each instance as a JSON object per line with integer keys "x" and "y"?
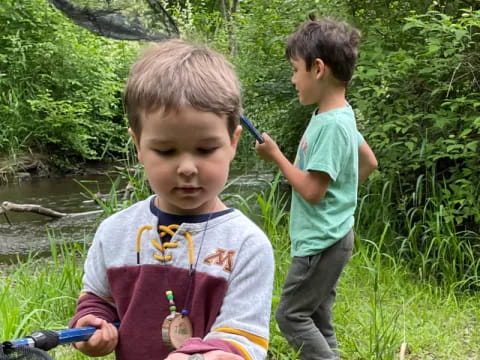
{"x": 187, "y": 166}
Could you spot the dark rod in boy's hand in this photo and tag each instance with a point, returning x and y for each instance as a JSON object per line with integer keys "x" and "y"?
{"x": 253, "y": 130}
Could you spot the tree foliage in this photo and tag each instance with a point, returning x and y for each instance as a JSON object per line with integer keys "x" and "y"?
{"x": 421, "y": 99}
{"x": 59, "y": 85}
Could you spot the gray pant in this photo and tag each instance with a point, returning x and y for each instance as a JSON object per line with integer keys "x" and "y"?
{"x": 304, "y": 313}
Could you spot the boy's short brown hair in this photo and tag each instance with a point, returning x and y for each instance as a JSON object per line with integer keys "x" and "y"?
{"x": 174, "y": 74}
{"x": 334, "y": 42}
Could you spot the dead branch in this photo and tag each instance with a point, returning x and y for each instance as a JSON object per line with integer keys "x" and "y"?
{"x": 2, "y": 211}
{"x": 9, "y": 206}
{"x": 38, "y": 209}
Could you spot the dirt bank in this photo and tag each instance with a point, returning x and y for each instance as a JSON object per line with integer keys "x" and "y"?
{"x": 29, "y": 166}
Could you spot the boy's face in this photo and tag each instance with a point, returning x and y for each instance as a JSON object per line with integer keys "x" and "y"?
{"x": 186, "y": 155}
{"x": 306, "y": 82}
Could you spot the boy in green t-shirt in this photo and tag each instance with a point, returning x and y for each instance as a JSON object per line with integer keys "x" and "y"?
{"x": 332, "y": 159}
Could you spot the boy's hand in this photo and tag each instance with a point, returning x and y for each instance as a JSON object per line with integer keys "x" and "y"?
{"x": 211, "y": 355}
{"x": 102, "y": 342}
{"x": 269, "y": 150}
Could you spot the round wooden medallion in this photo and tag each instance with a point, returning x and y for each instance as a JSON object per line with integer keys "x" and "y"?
{"x": 180, "y": 330}
{"x": 176, "y": 329}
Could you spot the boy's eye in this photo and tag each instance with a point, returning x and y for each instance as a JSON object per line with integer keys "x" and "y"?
{"x": 165, "y": 152}
{"x": 206, "y": 150}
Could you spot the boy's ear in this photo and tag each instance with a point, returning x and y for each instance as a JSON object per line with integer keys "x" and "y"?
{"x": 135, "y": 142}
{"x": 319, "y": 68}
{"x": 236, "y": 138}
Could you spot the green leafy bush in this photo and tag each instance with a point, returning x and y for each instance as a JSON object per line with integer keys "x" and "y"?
{"x": 60, "y": 86}
{"x": 419, "y": 104}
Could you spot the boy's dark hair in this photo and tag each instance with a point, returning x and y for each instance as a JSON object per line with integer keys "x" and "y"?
{"x": 334, "y": 42}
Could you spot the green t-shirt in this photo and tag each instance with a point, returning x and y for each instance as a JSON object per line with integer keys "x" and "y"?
{"x": 330, "y": 144}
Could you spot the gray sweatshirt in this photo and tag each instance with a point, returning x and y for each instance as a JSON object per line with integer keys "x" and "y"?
{"x": 228, "y": 296}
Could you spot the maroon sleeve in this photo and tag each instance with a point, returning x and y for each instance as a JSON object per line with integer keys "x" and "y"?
{"x": 94, "y": 305}
{"x": 197, "y": 345}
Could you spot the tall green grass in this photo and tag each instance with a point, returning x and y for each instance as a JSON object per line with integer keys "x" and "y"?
{"x": 379, "y": 306}
{"x": 422, "y": 233}
{"x": 384, "y": 298}
{"x": 40, "y": 293}
{"x": 383, "y": 301}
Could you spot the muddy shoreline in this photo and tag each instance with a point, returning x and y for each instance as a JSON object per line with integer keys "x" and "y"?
{"x": 29, "y": 167}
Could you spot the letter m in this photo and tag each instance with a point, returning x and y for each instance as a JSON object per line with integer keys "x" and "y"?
{"x": 221, "y": 257}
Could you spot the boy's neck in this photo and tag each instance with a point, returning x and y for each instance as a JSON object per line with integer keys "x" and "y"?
{"x": 334, "y": 99}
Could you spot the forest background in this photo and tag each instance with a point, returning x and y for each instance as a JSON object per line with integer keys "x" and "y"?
{"x": 416, "y": 93}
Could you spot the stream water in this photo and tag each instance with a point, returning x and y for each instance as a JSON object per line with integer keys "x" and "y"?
{"x": 30, "y": 232}
{"x": 23, "y": 232}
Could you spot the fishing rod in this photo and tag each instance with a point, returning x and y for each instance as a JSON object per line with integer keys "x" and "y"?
{"x": 253, "y": 130}
{"x": 35, "y": 345}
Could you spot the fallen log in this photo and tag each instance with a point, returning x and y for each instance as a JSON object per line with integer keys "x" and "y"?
{"x": 9, "y": 206}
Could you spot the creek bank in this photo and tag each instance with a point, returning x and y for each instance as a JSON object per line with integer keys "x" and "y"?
{"x": 29, "y": 167}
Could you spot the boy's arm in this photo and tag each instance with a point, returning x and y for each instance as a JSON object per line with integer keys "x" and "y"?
{"x": 311, "y": 185}
{"x": 94, "y": 306}
{"x": 367, "y": 162}
{"x": 95, "y": 298}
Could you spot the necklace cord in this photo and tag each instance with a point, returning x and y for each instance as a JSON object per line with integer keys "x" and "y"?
{"x": 193, "y": 269}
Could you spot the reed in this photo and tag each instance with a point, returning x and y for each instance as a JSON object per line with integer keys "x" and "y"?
{"x": 423, "y": 233}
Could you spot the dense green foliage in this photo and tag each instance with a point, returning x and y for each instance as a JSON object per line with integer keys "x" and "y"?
{"x": 60, "y": 86}
{"x": 419, "y": 101}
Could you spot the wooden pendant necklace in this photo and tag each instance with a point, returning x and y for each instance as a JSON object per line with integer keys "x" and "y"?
{"x": 176, "y": 328}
